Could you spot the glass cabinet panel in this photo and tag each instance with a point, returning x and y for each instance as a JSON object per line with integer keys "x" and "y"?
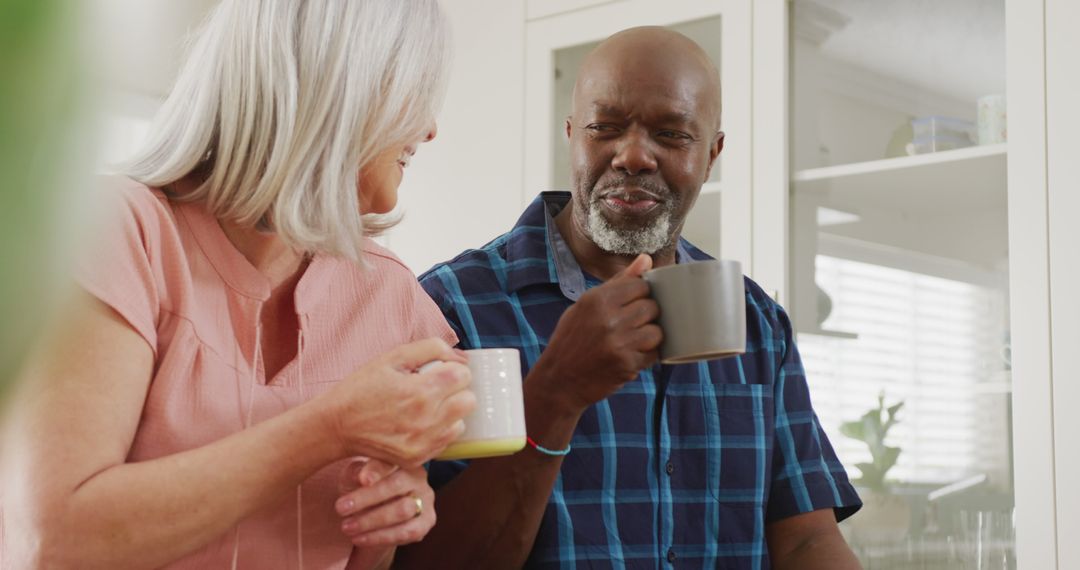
{"x": 899, "y": 269}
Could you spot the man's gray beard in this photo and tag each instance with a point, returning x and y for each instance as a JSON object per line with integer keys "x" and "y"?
{"x": 649, "y": 239}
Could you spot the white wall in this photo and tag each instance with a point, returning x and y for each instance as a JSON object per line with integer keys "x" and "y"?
{"x": 139, "y": 45}
{"x": 461, "y": 190}
{"x": 464, "y": 188}
{"x": 142, "y": 40}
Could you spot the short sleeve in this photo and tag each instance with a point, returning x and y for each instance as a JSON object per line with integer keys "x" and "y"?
{"x": 428, "y": 320}
{"x": 437, "y": 292}
{"x": 442, "y": 472}
{"x": 122, "y": 267}
{"x": 807, "y": 475}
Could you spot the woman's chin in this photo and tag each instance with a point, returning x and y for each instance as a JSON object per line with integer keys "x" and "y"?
{"x": 378, "y": 204}
{"x": 380, "y": 209}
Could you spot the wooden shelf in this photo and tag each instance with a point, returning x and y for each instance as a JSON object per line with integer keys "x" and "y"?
{"x": 711, "y": 188}
{"x": 949, "y": 205}
{"x": 702, "y": 226}
{"x": 829, "y": 333}
{"x": 929, "y": 184}
{"x": 900, "y": 163}
{"x": 999, "y": 382}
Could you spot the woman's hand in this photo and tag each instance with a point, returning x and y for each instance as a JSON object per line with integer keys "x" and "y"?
{"x": 383, "y": 506}
{"x": 388, "y": 411}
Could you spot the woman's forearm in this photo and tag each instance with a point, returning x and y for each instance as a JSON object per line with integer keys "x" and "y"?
{"x": 149, "y": 513}
{"x": 72, "y": 499}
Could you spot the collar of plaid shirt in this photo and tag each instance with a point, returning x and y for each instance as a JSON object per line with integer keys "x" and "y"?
{"x": 686, "y": 465}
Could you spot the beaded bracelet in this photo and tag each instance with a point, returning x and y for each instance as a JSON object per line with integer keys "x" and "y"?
{"x": 546, "y": 451}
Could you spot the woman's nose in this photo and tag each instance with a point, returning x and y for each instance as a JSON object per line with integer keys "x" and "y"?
{"x": 434, "y": 130}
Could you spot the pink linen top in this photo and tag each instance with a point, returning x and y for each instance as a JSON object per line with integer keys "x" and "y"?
{"x": 172, "y": 273}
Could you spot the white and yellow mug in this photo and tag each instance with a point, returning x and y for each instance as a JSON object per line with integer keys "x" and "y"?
{"x": 497, "y": 425}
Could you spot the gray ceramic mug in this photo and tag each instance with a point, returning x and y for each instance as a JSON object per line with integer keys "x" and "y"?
{"x": 702, "y": 310}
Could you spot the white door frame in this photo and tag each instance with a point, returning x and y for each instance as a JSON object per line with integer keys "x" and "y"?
{"x": 1063, "y": 205}
{"x": 1029, "y": 273}
{"x": 771, "y": 165}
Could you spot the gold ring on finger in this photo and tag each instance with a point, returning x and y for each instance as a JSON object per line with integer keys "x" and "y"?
{"x": 419, "y": 506}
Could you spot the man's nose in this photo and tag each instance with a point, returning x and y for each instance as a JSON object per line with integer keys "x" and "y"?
{"x": 634, "y": 155}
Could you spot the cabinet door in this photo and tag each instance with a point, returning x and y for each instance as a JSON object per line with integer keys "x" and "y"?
{"x": 536, "y": 9}
{"x": 912, "y": 264}
{"x": 720, "y": 223}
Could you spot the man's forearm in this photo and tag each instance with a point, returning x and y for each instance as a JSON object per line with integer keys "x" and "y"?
{"x": 488, "y": 515}
{"x": 823, "y": 553}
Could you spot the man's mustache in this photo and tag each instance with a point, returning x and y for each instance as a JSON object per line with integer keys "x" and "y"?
{"x": 632, "y": 184}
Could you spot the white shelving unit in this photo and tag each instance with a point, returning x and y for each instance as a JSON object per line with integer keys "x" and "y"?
{"x": 891, "y": 252}
{"x": 942, "y": 183}
{"x": 917, "y": 203}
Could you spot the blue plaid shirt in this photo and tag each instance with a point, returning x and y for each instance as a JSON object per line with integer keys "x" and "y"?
{"x": 683, "y": 467}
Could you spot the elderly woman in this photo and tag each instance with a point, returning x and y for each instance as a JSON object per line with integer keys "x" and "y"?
{"x": 238, "y": 336}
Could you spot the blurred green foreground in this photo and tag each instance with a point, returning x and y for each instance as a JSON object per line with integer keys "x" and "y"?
{"x": 41, "y": 103}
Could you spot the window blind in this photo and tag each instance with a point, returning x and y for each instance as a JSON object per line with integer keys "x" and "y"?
{"x": 931, "y": 342}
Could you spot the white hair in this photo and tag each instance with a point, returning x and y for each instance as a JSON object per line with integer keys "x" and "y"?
{"x": 282, "y": 102}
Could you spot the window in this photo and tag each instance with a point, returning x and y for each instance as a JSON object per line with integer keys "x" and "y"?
{"x": 920, "y": 339}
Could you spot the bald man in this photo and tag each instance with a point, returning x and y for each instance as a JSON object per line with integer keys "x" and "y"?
{"x": 631, "y": 464}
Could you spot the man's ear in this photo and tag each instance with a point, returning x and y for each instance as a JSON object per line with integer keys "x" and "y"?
{"x": 569, "y": 127}
{"x": 715, "y": 147}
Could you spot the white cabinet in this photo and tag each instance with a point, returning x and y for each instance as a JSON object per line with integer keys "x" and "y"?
{"x": 816, "y": 185}
{"x": 937, "y": 268}
{"x": 1062, "y": 119}
{"x": 536, "y": 9}
{"x": 1037, "y": 530}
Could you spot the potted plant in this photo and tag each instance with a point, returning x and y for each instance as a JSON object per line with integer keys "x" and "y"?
{"x": 885, "y": 517}
{"x": 871, "y": 429}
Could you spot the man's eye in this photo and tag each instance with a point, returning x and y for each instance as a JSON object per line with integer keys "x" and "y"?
{"x": 674, "y": 135}
{"x": 601, "y": 128}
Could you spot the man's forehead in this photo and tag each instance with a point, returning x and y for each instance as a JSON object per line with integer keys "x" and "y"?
{"x": 670, "y": 112}
{"x": 647, "y": 67}
{"x": 656, "y": 72}
{"x": 679, "y": 97}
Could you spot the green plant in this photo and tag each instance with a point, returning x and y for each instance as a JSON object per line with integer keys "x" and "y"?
{"x": 871, "y": 429}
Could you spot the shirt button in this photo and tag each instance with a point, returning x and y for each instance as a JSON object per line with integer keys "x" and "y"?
{"x": 670, "y": 468}
{"x": 671, "y": 556}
